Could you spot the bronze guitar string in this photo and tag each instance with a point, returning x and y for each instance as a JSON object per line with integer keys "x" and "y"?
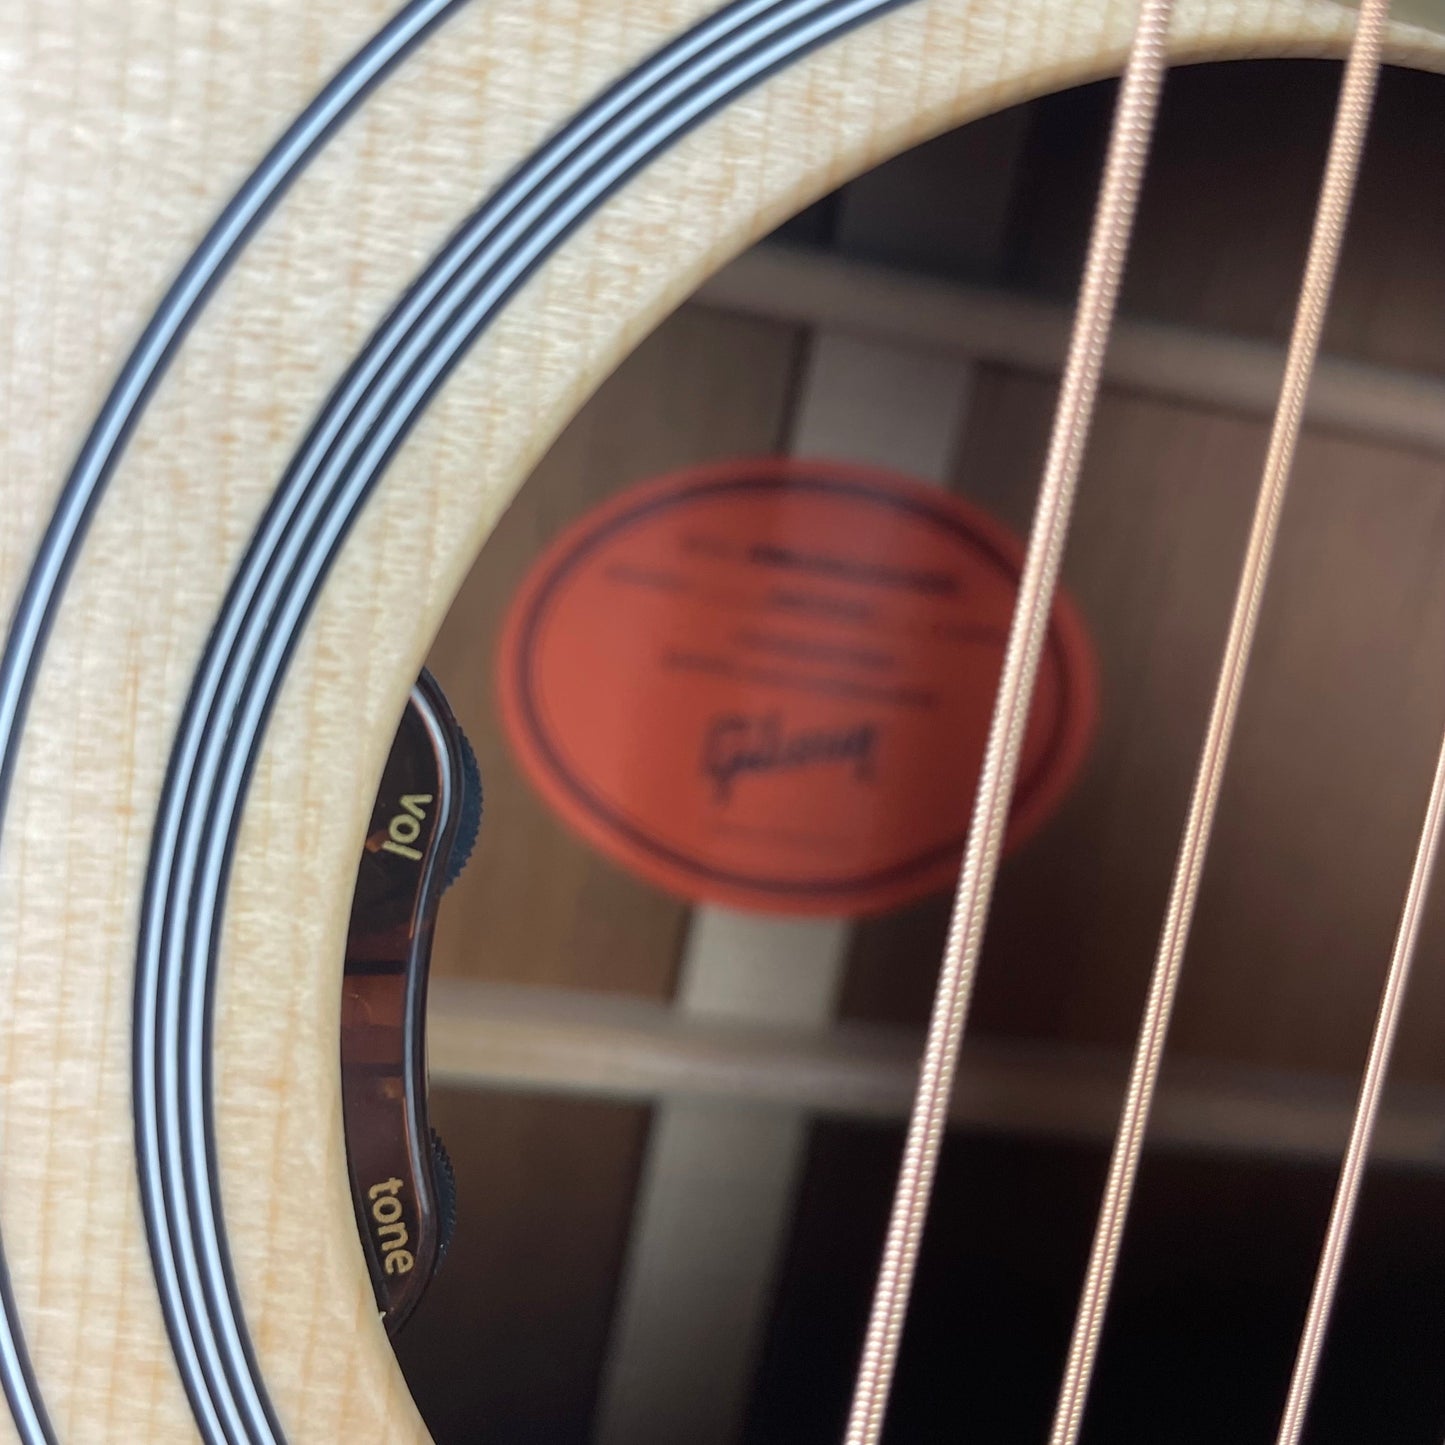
{"x": 1129, "y": 138}
{"x": 1346, "y": 145}
{"x": 1347, "y": 1192}
{"x": 1111, "y": 226}
{"x": 1113, "y": 219}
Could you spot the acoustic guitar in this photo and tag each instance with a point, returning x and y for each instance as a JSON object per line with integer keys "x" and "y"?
{"x": 295, "y": 298}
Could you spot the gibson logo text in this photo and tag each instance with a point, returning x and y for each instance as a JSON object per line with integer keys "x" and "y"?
{"x": 736, "y": 744}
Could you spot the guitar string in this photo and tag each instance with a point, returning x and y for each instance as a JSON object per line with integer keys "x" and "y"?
{"x": 1127, "y": 153}
{"x": 1346, "y": 144}
{"x": 1347, "y": 1191}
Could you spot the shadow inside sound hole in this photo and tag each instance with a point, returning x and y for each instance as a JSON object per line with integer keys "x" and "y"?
{"x": 1207, "y": 1309}
{"x": 510, "y": 1344}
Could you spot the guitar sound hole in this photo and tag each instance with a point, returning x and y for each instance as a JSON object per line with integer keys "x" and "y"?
{"x": 673, "y": 1186}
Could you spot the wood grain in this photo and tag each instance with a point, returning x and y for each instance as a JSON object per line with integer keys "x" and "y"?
{"x": 125, "y": 127}
{"x": 538, "y": 905}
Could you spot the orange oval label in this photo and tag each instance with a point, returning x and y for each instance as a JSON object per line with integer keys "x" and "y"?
{"x": 767, "y": 683}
